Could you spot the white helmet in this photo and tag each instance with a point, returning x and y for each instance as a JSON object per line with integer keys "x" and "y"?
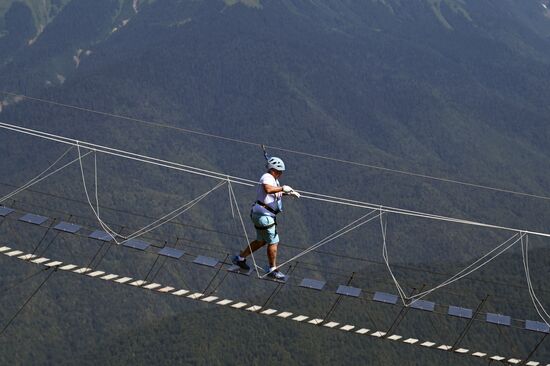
{"x": 275, "y": 163}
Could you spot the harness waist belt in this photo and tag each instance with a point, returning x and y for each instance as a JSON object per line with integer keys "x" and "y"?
{"x": 275, "y": 212}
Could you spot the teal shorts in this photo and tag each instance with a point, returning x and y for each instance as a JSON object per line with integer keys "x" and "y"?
{"x": 268, "y": 235}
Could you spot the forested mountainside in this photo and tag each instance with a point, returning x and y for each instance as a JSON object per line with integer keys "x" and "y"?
{"x": 446, "y": 88}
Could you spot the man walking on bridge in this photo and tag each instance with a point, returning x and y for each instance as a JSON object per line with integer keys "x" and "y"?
{"x": 263, "y": 214}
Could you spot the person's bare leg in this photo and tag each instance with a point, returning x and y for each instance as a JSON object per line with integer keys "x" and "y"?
{"x": 255, "y": 245}
{"x": 272, "y": 255}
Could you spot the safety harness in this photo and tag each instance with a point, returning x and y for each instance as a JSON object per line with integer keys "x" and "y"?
{"x": 275, "y": 212}
{"x": 270, "y": 209}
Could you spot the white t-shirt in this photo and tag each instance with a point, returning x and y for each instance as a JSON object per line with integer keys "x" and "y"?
{"x": 268, "y": 199}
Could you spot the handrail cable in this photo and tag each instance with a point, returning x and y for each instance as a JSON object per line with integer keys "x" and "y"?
{"x": 248, "y": 182}
{"x": 278, "y": 148}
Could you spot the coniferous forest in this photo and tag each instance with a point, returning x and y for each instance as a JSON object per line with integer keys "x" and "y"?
{"x": 433, "y": 106}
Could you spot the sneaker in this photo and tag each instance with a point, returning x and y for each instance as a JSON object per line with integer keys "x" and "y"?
{"x": 242, "y": 264}
{"x": 276, "y": 274}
